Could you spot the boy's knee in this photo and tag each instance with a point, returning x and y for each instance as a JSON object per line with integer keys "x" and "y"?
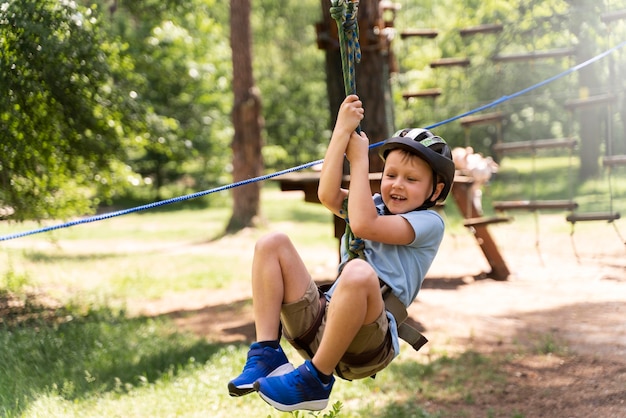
{"x": 271, "y": 241}
{"x": 359, "y": 273}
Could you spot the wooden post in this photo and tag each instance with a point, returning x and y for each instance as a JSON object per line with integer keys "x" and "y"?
{"x": 461, "y": 193}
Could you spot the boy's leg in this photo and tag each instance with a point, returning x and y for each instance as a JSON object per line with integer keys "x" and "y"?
{"x": 278, "y": 276}
{"x": 356, "y": 301}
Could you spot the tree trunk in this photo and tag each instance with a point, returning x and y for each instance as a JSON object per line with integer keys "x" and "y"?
{"x": 590, "y": 118}
{"x": 247, "y": 120}
{"x": 372, "y": 79}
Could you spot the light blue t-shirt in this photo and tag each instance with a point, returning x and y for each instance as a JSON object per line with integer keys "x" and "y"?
{"x": 402, "y": 267}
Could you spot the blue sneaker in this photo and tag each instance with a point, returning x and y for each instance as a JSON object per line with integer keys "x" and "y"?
{"x": 261, "y": 362}
{"x": 300, "y": 389}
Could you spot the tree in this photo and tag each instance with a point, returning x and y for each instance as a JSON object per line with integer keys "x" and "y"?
{"x": 182, "y": 77}
{"x": 63, "y": 122}
{"x": 247, "y": 122}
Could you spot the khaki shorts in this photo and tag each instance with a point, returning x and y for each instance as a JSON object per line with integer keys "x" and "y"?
{"x": 297, "y": 317}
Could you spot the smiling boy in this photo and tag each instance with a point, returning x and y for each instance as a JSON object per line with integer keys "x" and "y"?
{"x": 346, "y": 330}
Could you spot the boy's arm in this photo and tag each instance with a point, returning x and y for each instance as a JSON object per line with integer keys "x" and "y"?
{"x": 329, "y": 191}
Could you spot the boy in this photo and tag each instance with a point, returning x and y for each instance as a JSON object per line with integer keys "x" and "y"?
{"x": 347, "y": 330}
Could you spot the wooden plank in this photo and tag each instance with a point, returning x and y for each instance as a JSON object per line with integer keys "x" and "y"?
{"x": 434, "y": 92}
{"x": 419, "y": 33}
{"x": 590, "y": 101}
{"x": 593, "y": 216}
{"x": 535, "y": 205}
{"x": 609, "y": 17}
{"x": 485, "y": 28}
{"x": 482, "y": 221}
{"x": 535, "y": 55}
{"x": 614, "y": 160}
{"x": 510, "y": 147}
{"x": 450, "y": 62}
{"x": 485, "y": 118}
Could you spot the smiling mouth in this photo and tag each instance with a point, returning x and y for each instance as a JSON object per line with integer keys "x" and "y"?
{"x": 396, "y": 197}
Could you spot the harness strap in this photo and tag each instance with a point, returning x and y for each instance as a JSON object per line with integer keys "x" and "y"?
{"x": 406, "y": 331}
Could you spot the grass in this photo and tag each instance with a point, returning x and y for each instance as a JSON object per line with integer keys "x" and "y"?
{"x": 87, "y": 357}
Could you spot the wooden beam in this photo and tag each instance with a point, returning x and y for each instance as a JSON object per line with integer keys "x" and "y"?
{"x": 486, "y": 28}
{"x": 593, "y": 216}
{"x": 609, "y": 17}
{"x": 535, "y": 55}
{"x": 532, "y": 205}
{"x": 482, "y": 221}
{"x": 614, "y": 160}
{"x": 419, "y": 33}
{"x": 485, "y": 118}
{"x": 511, "y": 147}
{"x": 590, "y": 101}
{"x": 450, "y": 62}
{"x": 422, "y": 93}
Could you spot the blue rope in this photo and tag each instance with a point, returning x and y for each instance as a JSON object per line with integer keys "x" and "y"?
{"x": 307, "y": 165}
{"x": 157, "y": 204}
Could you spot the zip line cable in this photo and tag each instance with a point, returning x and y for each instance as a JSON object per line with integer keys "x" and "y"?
{"x": 307, "y": 165}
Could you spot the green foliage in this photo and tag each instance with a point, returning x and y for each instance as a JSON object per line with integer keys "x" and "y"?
{"x": 63, "y": 120}
{"x": 289, "y": 69}
{"x": 527, "y": 27}
{"x": 112, "y": 102}
{"x": 182, "y": 67}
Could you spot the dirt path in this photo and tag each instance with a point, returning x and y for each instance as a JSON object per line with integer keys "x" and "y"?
{"x": 567, "y": 313}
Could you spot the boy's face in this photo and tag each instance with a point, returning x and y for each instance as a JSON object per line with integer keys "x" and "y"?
{"x": 407, "y": 182}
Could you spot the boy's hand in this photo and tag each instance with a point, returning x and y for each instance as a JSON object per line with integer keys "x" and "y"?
{"x": 350, "y": 114}
{"x": 358, "y": 148}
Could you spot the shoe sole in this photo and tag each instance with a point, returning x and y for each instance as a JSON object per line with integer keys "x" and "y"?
{"x": 242, "y": 390}
{"x": 317, "y": 405}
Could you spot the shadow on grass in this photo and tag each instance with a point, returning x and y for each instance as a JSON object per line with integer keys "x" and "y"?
{"x": 76, "y": 354}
